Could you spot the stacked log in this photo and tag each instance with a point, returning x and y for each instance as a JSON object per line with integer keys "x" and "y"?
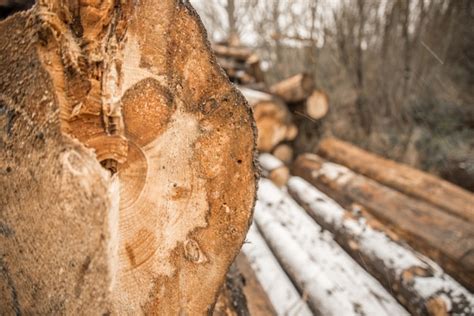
{"x": 438, "y": 234}
{"x": 277, "y": 109}
{"x": 280, "y": 290}
{"x": 332, "y": 282}
{"x": 274, "y": 169}
{"x": 284, "y": 152}
{"x": 301, "y": 96}
{"x": 416, "y": 281}
{"x": 258, "y": 302}
{"x": 113, "y": 133}
{"x": 274, "y": 121}
{"x": 241, "y": 65}
{"x": 410, "y": 181}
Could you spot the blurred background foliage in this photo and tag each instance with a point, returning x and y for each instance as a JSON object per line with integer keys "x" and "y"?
{"x": 399, "y": 73}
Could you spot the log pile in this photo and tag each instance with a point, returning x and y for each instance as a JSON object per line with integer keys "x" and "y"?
{"x": 409, "y": 231}
{"x": 338, "y": 217}
{"x": 278, "y": 109}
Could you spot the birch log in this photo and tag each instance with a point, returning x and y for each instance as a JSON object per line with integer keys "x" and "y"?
{"x": 439, "y": 235}
{"x": 403, "y": 178}
{"x": 333, "y": 282}
{"x": 416, "y": 281}
{"x": 126, "y": 170}
{"x": 279, "y": 288}
{"x": 257, "y": 300}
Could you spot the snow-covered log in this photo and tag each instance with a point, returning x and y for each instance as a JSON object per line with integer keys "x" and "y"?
{"x": 274, "y": 169}
{"x": 413, "y": 182}
{"x": 445, "y": 238}
{"x": 258, "y": 302}
{"x": 417, "y": 282}
{"x": 333, "y": 282}
{"x": 281, "y": 292}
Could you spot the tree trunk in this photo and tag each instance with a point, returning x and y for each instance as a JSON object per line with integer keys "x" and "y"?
{"x": 415, "y": 183}
{"x": 127, "y": 161}
{"x": 333, "y": 283}
{"x": 416, "y": 281}
{"x": 439, "y": 235}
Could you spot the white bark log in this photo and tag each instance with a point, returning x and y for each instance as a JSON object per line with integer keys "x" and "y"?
{"x": 334, "y": 283}
{"x": 385, "y": 257}
{"x": 283, "y": 295}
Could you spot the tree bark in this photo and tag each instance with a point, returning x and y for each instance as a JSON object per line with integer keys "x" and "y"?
{"x": 417, "y": 282}
{"x": 443, "y": 237}
{"x": 126, "y": 162}
{"x": 413, "y": 182}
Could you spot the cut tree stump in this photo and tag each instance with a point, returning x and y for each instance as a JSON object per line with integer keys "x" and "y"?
{"x": 127, "y": 177}
{"x": 416, "y": 281}
{"x": 296, "y": 88}
{"x": 333, "y": 282}
{"x": 403, "y": 178}
{"x": 439, "y": 235}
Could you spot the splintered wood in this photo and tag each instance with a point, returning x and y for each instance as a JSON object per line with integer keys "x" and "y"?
{"x": 127, "y": 175}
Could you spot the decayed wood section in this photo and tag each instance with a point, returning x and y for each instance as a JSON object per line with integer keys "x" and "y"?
{"x": 331, "y": 280}
{"x": 416, "y": 183}
{"x": 439, "y": 235}
{"x": 274, "y": 121}
{"x": 232, "y": 300}
{"x": 417, "y": 282}
{"x": 126, "y": 162}
{"x": 274, "y": 169}
{"x": 294, "y": 89}
{"x": 279, "y": 288}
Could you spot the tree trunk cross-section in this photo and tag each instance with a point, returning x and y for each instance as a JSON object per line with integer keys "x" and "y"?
{"x": 127, "y": 171}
